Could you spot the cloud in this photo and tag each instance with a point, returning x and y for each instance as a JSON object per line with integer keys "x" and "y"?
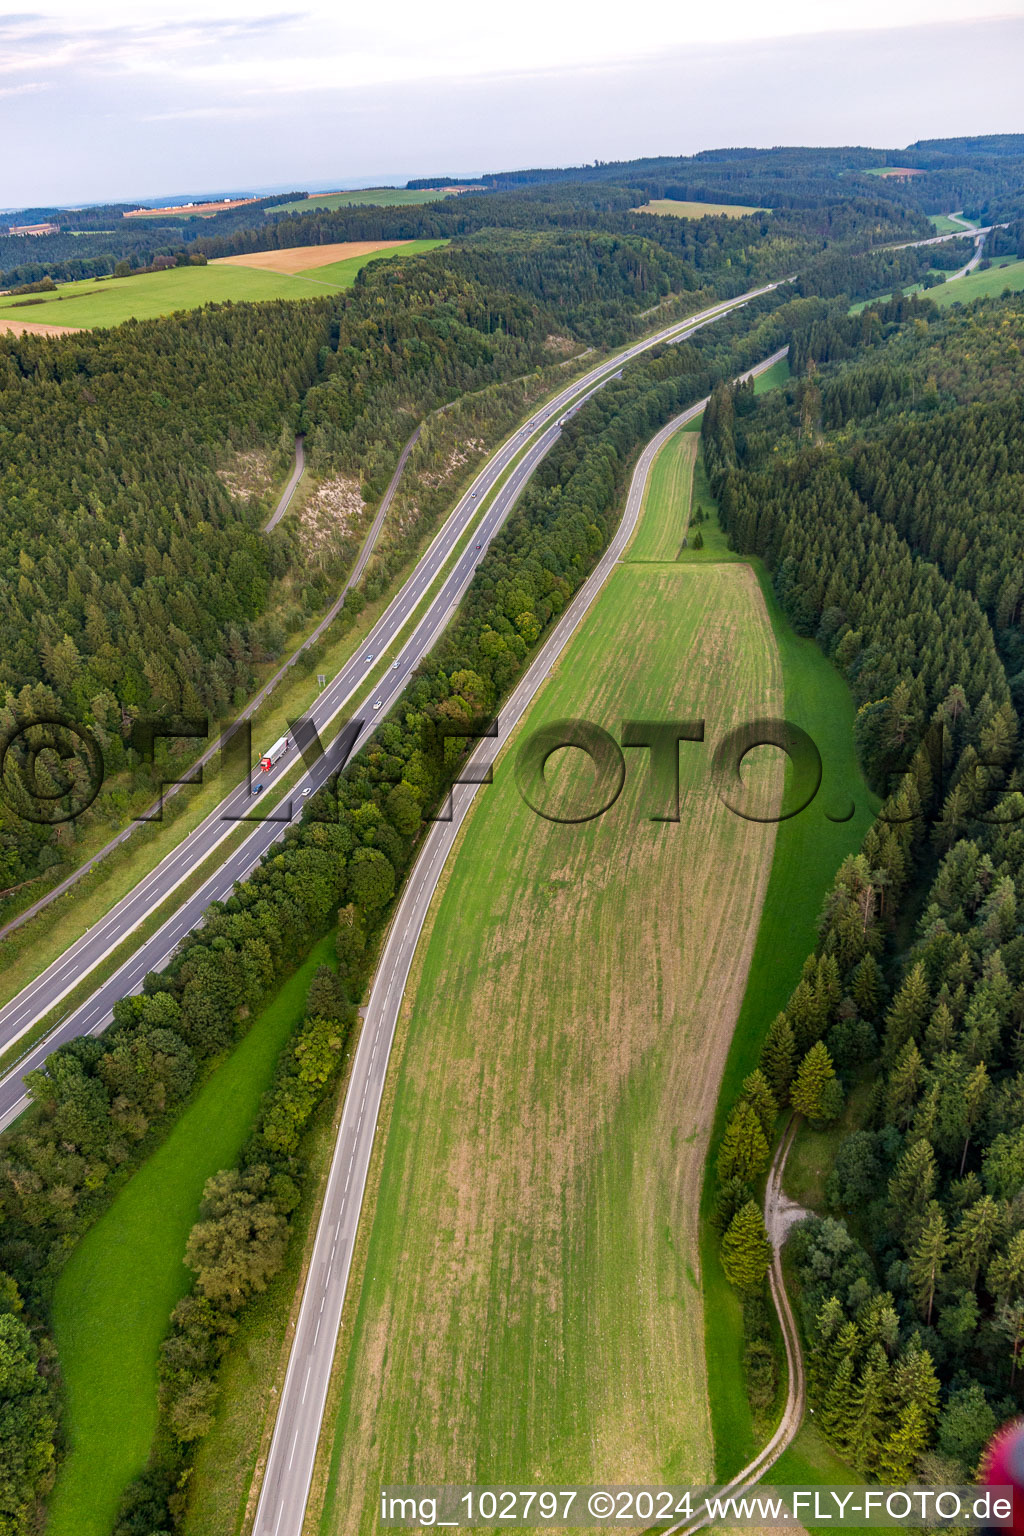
{"x": 34, "y": 41}
{"x": 198, "y": 115}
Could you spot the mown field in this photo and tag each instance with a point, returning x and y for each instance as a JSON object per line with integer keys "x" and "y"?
{"x": 532, "y": 1302}
{"x": 685, "y": 210}
{"x": 148, "y": 295}
{"x": 943, "y": 225}
{"x": 981, "y": 285}
{"x": 376, "y": 197}
{"x": 1005, "y": 272}
{"x": 116, "y": 1293}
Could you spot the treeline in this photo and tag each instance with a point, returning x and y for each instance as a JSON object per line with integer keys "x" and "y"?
{"x": 235, "y": 1248}
{"x": 978, "y": 175}
{"x": 912, "y": 1294}
{"x": 28, "y": 1414}
{"x": 103, "y": 1101}
{"x": 771, "y": 243}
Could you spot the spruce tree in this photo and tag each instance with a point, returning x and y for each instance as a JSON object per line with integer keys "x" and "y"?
{"x": 973, "y": 1239}
{"x": 912, "y": 1185}
{"x": 746, "y": 1251}
{"x": 778, "y": 1058}
{"x": 744, "y": 1151}
{"x": 836, "y": 1416}
{"x": 758, "y": 1094}
{"x": 905, "y": 1019}
{"x": 810, "y": 1094}
{"x": 869, "y": 1406}
{"x": 928, "y": 1258}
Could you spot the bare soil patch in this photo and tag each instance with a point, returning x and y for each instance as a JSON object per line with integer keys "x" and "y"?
{"x": 13, "y": 327}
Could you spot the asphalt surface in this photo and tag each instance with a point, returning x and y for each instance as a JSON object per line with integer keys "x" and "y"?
{"x": 293, "y": 1448}
{"x": 289, "y": 490}
{"x": 57, "y": 980}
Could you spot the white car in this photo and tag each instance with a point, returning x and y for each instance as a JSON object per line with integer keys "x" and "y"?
{"x": 377, "y": 704}
{"x": 394, "y": 666}
{"x": 305, "y": 792}
{"x": 368, "y": 656}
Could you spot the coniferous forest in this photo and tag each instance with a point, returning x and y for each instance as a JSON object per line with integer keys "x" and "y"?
{"x": 888, "y": 510}
{"x": 882, "y": 489}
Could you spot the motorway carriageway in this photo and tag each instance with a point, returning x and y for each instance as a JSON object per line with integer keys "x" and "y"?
{"x": 292, "y": 1455}
{"x": 47, "y": 990}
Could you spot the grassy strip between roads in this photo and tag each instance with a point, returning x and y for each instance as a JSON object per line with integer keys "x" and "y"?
{"x": 116, "y": 1292}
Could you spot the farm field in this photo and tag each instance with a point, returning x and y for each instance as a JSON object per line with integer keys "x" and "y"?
{"x": 301, "y": 258}
{"x": 533, "y": 1303}
{"x": 189, "y": 210}
{"x": 685, "y": 210}
{"x": 116, "y": 1293}
{"x": 148, "y": 295}
{"x": 887, "y": 171}
{"x": 13, "y": 327}
{"x": 375, "y": 197}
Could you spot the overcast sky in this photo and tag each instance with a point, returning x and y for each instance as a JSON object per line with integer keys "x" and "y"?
{"x": 123, "y": 100}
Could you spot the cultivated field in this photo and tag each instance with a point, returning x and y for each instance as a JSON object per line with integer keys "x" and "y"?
{"x": 376, "y": 197}
{"x": 11, "y": 326}
{"x": 190, "y": 210}
{"x": 301, "y": 258}
{"x": 532, "y": 1302}
{"x": 116, "y": 1293}
{"x": 901, "y": 172}
{"x": 148, "y": 295}
{"x": 684, "y": 210}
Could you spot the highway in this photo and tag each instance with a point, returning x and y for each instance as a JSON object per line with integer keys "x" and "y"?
{"x": 63, "y": 975}
{"x": 292, "y": 1455}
